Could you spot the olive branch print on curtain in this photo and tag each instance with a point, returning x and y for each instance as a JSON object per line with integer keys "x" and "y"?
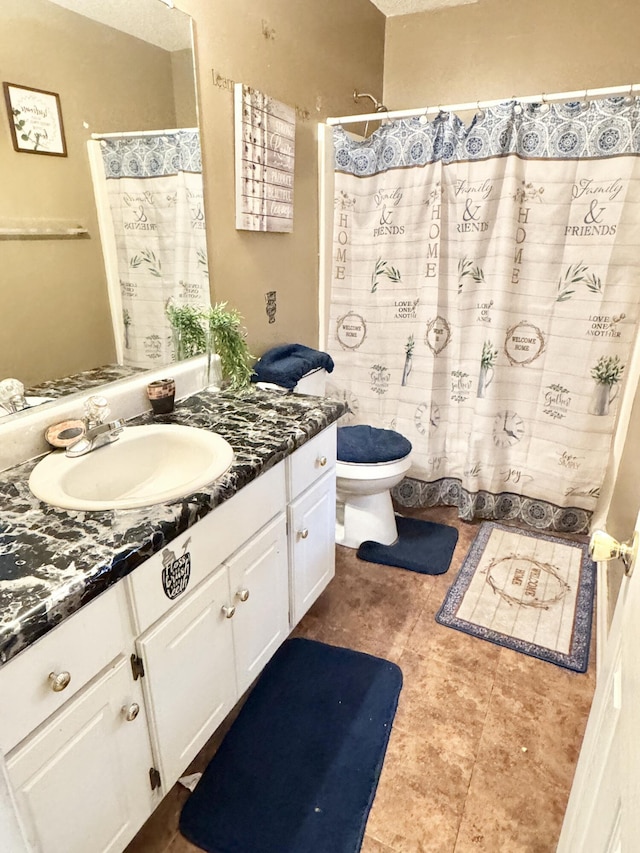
{"x": 490, "y": 274}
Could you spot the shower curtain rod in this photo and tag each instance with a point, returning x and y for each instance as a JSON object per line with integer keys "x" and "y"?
{"x": 133, "y": 133}
{"x": 475, "y": 105}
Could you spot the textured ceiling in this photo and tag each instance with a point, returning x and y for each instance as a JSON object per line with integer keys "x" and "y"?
{"x": 408, "y": 7}
{"x": 148, "y": 20}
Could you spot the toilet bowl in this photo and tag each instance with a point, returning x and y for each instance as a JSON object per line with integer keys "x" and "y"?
{"x": 364, "y": 509}
{"x": 370, "y": 463}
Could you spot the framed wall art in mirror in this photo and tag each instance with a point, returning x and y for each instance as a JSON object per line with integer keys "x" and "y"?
{"x": 131, "y": 71}
{"x": 35, "y": 120}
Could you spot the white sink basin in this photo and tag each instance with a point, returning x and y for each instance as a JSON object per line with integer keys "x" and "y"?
{"x": 146, "y": 465}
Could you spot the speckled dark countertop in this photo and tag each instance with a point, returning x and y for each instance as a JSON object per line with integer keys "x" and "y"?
{"x": 88, "y": 380}
{"x": 53, "y": 561}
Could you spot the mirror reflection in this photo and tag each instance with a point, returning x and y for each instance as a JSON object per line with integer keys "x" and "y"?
{"x": 121, "y": 83}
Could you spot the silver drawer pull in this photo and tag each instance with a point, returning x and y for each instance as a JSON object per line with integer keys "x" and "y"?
{"x": 303, "y": 533}
{"x": 59, "y": 680}
{"x": 242, "y": 594}
{"x": 228, "y": 610}
{"x": 322, "y": 461}
{"x": 131, "y": 711}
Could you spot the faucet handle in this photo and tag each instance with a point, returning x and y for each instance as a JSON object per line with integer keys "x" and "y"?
{"x": 96, "y": 410}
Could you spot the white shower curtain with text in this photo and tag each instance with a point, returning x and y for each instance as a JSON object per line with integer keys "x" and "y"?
{"x": 154, "y": 185}
{"x": 485, "y": 285}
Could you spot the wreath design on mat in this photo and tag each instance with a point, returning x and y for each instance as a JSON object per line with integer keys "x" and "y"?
{"x": 563, "y": 586}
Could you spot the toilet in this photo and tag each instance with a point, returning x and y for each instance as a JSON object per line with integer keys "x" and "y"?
{"x": 370, "y": 463}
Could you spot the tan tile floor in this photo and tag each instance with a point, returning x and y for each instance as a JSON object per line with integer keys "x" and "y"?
{"x": 485, "y": 741}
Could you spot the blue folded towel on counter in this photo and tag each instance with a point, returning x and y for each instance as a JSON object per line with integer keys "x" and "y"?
{"x": 287, "y": 364}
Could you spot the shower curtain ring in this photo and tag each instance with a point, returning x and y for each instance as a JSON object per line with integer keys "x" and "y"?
{"x": 545, "y": 104}
{"x": 479, "y": 111}
{"x": 629, "y": 99}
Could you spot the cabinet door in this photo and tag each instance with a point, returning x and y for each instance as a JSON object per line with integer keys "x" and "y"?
{"x": 312, "y": 520}
{"x": 189, "y": 681}
{"x": 259, "y": 585}
{"x": 82, "y": 781}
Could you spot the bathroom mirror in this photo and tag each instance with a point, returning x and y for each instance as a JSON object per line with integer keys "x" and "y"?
{"x": 117, "y": 67}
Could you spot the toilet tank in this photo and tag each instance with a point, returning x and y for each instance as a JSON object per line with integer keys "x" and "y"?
{"x": 313, "y": 383}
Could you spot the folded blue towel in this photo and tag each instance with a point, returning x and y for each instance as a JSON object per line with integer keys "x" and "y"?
{"x": 370, "y": 445}
{"x": 287, "y": 364}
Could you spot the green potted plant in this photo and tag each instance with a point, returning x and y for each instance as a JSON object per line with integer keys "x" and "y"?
{"x": 187, "y": 330}
{"x": 216, "y": 329}
{"x": 229, "y": 340}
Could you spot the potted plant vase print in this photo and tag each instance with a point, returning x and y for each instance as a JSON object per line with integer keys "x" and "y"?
{"x": 607, "y": 374}
{"x": 487, "y": 360}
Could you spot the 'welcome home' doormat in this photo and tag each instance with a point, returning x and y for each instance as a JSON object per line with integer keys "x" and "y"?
{"x": 526, "y": 591}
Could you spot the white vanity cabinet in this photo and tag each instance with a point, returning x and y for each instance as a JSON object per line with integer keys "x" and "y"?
{"x": 311, "y": 483}
{"x": 81, "y": 776}
{"x": 82, "y": 781}
{"x": 107, "y": 710}
{"x": 201, "y": 657}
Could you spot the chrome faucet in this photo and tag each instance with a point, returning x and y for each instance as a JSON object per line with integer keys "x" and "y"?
{"x": 98, "y": 431}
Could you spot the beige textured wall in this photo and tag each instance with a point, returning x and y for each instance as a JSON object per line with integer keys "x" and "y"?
{"x": 306, "y": 54}
{"x": 184, "y": 88}
{"x": 500, "y": 48}
{"x": 53, "y": 292}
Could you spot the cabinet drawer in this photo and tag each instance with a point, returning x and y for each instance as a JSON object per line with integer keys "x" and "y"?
{"x": 81, "y": 646}
{"x": 311, "y": 461}
{"x": 191, "y": 557}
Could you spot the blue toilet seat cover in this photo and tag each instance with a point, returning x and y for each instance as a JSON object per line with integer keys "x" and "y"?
{"x": 368, "y": 445}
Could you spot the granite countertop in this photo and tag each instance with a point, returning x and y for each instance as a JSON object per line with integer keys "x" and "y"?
{"x": 53, "y": 561}
{"x": 88, "y": 380}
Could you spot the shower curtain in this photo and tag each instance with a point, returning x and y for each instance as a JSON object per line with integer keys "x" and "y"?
{"x": 154, "y": 187}
{"x": 484, "y": 300}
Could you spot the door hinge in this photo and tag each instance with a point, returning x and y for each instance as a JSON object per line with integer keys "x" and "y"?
{"x": 137, "y": 667}
{"x": 154, "y": 778}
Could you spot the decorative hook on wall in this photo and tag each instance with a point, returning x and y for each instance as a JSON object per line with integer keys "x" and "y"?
{"x": 377, "y": 105}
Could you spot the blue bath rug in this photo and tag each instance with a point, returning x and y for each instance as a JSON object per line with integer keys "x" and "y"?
{"x": 527, "y": 591}
{"x": 422, "y": 546}
{"x": 298, "y": 770}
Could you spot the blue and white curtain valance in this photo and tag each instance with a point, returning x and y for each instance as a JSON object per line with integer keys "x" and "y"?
{"x": 155, "y": 192}
{"x": 485, "y": 290}
{"x": 579, "y": 129}
{"x": 152, "y": 156}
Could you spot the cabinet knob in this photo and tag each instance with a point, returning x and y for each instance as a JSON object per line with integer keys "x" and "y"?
{"x": 59, "y": 680}
{"x": 131, "y": 711}
{"x": 228, "y": 610}
{"x": 242, "y": 594}
{"x": 303, "y": 533}
{"x": 322, "y": 461}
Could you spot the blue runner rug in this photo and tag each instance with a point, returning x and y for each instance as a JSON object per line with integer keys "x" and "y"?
{"x": 298, "y": 770}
